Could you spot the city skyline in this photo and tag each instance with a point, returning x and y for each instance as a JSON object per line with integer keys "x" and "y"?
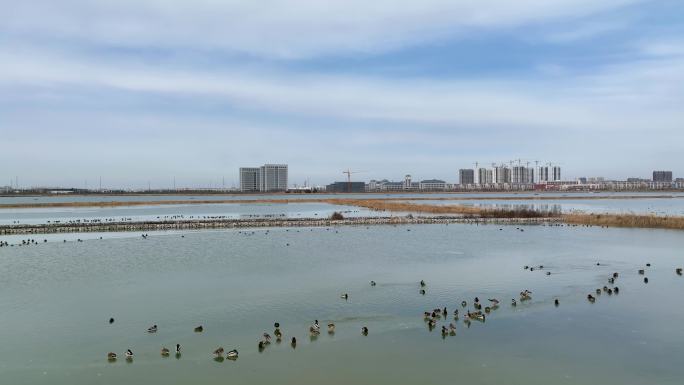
{"x": 420, "y": 87}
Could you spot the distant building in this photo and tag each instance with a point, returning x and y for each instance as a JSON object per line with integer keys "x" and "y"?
{"x": 466, "y": 176}
{"x": 250, "y": 179}
{"x": 346, "y": 187}
{"x": 542, "y": 174}
{"x": 484, "y": 176}
{"x": 267, "y": 178}
{"x": 433, "y": 185}
{"x": 522, "y": 175}
{"x": 662, "y": 176}
{"x": 501, "y": 175}
{"x": 556, "y": 174}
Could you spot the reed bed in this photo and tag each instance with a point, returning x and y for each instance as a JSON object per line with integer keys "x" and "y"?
{"x": 626, "y": 220}
{"x": 469, "y": 211}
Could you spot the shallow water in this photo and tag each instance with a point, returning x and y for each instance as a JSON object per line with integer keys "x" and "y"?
{"x": 645, "y": 205}
{"x": 57, "y": 297}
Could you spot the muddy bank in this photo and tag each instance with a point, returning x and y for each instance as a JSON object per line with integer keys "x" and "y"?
{"x": 252, "y": 223}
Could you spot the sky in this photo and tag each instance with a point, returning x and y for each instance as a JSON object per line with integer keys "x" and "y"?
{"x": 139, "y": 92}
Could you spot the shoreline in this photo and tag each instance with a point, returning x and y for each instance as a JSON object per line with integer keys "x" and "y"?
{"x": 334, "y": 201}
{"x": 256, "y": 223}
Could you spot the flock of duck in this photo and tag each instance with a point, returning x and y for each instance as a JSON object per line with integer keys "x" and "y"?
{"x": 431, "y": 317}
{"x": 264, "y": 342}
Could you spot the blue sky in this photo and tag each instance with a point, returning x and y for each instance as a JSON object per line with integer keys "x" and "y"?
{"x": 148, "y": 90}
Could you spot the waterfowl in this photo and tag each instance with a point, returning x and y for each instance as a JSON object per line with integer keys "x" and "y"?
{"x": 444, "y": 331}
{"x": 331, "y": 328}
{"x": 452, "y": 327}
{"x": 293, "y": 342}
{"x": 591, "y": 298}
{"x": 111, "y": 356}
{"x": 615, "y": 275}
{"x": 464, "y": 304}
{"x": 267, "y": 338}
{"x": 488, "y": 309}
{"x": 526, "y": 267}
{"x": 610, "y": 291}
{"x": 494, "y": 301}
{"x": 477, "y": 300}
{"x": 261, "y": 345}
{"x": 432, "y": 323}
{"x": 422, "y": 283}
{"x": 422, "y": 291}
{"x": 525, "y": 295}
{"x": 641, "y": 271}
{"x": 129, "y": 353}
{"x": 514, "y": 302}
{"x": 616, "y": 290}
{"x": 315, "y": 328}
{"x": 218, "y": 352}
{"x": 164, "y": 352}
{"x": 445, "y": 312}
{"x": 598, "y": 291}
{"x": 276, "y": 325}
{"x": 199, "y": 329}
{"x": 548, "y": 273}
{"x": 555, "y": 302}
{"x": 611, "y": 280}
{"x": 648, "y": 265}
{"x": 364, "y": 331}
{"x": 152, "y": 329}
{"x": 645, "y": 279}
{"x": 278, "y": 334}
{"x": 178, "y": 348}
{"x": 372, "y": 283}
{"x": 344, "y": 296}
{"x": 111, "y": 321}
{"x": 605, "y": 288}
{"x": 678, "y": 271}
{"x": 233, "y": 354}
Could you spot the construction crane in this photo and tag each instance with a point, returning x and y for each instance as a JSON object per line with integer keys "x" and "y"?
{"x": 349, "y": 174}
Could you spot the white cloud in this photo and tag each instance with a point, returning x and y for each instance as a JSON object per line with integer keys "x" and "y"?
{"x": 281, "y": 28}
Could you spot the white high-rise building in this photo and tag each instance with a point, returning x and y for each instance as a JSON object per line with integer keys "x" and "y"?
{"x": 269, "y": 177}
{"x": 542, "y": 174}
{"x": 556, "y": 174}
{"x": 273, "y": 177}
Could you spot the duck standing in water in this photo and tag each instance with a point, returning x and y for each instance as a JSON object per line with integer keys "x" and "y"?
{"x": 315, "y": 329}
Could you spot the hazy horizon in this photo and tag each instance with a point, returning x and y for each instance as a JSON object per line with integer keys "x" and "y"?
{"x": 139, "y": 92}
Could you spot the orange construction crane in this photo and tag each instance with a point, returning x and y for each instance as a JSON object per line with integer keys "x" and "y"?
{"x": 349, "y": 174}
